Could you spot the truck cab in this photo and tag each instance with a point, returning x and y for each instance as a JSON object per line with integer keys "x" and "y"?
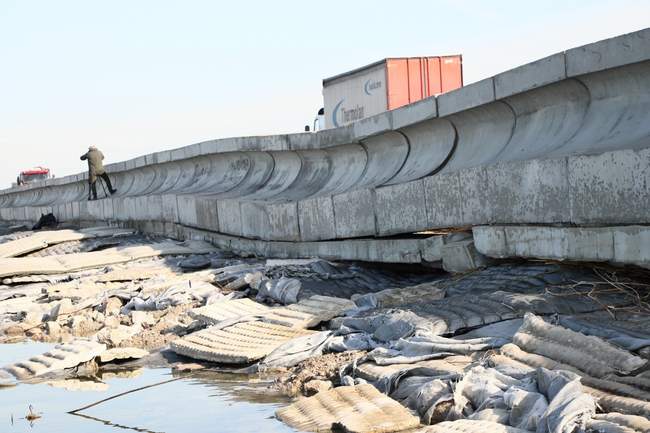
{"x": 32, "y": 175}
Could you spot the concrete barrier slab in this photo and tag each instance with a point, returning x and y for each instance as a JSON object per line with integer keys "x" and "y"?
{"x": 316, "y": 219}
{"x": 536, "y": 74}
{"x": 609, "y": 53}
{"x": 469, "y": 96}
{"x": 238, "y": 344}
{"x": 354, "y": 213}
{"x": 401, "y": 208}
{"x": 359, "y": 409}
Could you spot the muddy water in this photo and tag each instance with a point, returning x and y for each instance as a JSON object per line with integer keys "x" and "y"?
{"x": 198, "y": 402}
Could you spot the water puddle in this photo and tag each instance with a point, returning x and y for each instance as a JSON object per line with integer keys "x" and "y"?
{"x": 198, "y": 401}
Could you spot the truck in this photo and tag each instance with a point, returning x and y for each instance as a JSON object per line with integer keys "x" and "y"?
{"x": 31, "y": 175}
{"x": 388, "y": 84}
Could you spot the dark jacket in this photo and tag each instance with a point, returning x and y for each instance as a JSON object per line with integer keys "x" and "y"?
{"x": 95, "y": 164}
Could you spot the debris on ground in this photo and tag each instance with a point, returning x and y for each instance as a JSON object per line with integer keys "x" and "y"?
{"x": 513, "y": 347}
{"x": 315, "y": 373}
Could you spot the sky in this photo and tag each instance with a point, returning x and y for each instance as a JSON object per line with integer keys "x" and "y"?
{"x": 139, "y": 76}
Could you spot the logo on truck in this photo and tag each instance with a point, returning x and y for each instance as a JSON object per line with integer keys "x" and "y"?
{"x": 371, "y": 85}
{"x": 349, "y": 115}
{"x": 335, "y": 113}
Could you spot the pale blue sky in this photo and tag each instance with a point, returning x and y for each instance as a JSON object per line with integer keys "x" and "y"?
{"x": 138, "y": 76}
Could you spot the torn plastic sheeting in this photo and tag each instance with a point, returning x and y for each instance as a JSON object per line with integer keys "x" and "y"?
{"x": 634, "y": 422}
{"x": 344, "y": 343}
{"x": 625, "y": 405}
{"x": 470, "y": 426}
{"x": 455, "y": 313}
{"x": 505, "y": 329}
{"x": 388, "y": 377}
{"x": 569, "y": 407}
{"x": 402, "y": 380}
{"x": 431, "y": 401}
{"x": 385, "y": 356}
{"x": 399, "y": 296}
{"x": 590, "y": 354}
{"x": 284, "y": 290}
{"x": 601, "y": 426}
{"x": 386, "y": 326}
{"x": 526, "y": 407}
{"x": 296, "y": 350}
{"x": 499, "y": 415}
{"x": 481, "y": 388}
{"x": 531, "y": 360}
{"x": 606, "y": 392}
{"x": 424, "y": 347}
{"x": 178, "y": 294}
{"x": 608, "y": 330}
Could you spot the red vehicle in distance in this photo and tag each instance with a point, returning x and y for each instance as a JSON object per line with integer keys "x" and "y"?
{"x": 32, "y": 175}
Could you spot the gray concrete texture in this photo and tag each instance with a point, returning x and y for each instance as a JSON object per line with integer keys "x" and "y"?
{"x": 565, "y": 139}
{"x": 616, "y": 245}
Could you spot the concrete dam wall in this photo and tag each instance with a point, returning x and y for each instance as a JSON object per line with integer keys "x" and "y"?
{"x": 561, "y": 141}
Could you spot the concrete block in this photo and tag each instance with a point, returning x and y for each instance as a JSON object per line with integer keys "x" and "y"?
{"x": 469, "y": 96}
{"x": 535, "y": 191}
{"x": 207, "y": 214}
{"x": 532, "y": 75}
{"x": 461, "y": 256}
{"x": 187, "y": 214}
{"x": 283, "y": 221}
{"x": 475, "y": 204}
{"x": 431, "y": 248}
{"x": 209, "y": 147}
{"x": 192, "y": 150}
{"x": 107, "y": 209}
{"x": 443, "y": 200}
{"x": 609, "y": 53}
{"x": 354, "y": 213}
{"x": 230, "y": 219}
{"x": 270, "y": 221}
{"x": 255, "y": 220}
{"x": 373, "y": 125}
{"x": 154, "y": 207}
{"x": 261, "y": 143}
{"x": 162, "y": 157}
{"x": 140, "y": 161}
{"x": 610, "y": 188}
{"x": 401, "y": 208}
{"x": 96, "y": 210}
{"x": 590, "y": 243}
{"x": 333, "y": 137}
{"x": 119, "y": 209}
{"x": 632, "y": 245}
{"x": 558, "y": 243}
{"x": 302, "y": 140}
{"x": 169, "y": 208}
{"x": 316, "y": 218}
{"x": 414, "y": 113}
{"x": 76, "y": 210}
{"x": 540, "y": 242}
{"x": 490, "y": 241}
{"x": 177, "y": 154}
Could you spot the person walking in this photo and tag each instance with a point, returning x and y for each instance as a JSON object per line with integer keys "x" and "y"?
{"x": 96, "y": 168}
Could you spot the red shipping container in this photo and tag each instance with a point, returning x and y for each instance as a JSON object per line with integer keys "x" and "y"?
{"x": 388, "y": 84}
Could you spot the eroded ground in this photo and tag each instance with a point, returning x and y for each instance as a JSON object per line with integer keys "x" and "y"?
{"x": 517, "y": 346}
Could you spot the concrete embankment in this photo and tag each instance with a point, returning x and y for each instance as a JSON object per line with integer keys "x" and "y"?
{"x": 563, "y": 140}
